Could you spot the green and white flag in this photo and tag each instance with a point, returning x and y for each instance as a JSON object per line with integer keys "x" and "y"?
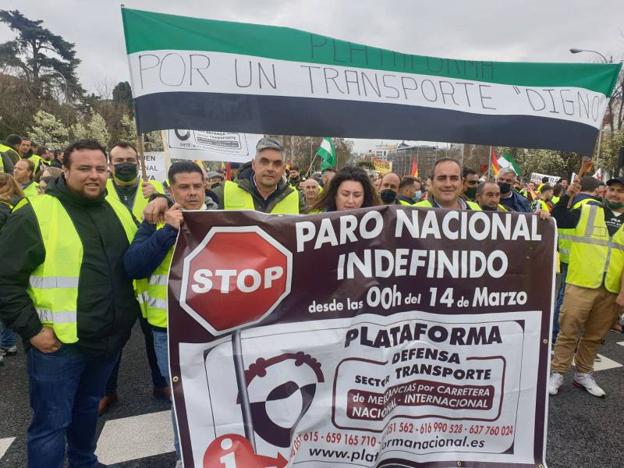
{"x": 506, "y": 161}
{"x": 202, "y": 74}
{"x": 327, "y": 154}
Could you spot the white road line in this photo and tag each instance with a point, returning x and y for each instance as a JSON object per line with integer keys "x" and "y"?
{"x": 135, "y": 437}
{"x": 605, "y": 363}
{"x": 621, "y": 343}
{"x": 4, "y": 445}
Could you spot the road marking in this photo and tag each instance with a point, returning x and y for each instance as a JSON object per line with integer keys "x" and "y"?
{"x": 621, "y": 343}
{"x": 604, "y": 364}
{"x": 135, "y": 437}
{"x": 4, "y": 445}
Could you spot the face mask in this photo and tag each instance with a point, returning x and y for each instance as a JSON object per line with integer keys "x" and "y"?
{"x": 417, "y": 195}
{"x": 387, "y": 196}
{"x": 504, "y": 187}
{"x": 488, "y": 208}
{"x": 614, "y": 206}
{"x": 471, "y": 192}
{"x": 126, "y": 172}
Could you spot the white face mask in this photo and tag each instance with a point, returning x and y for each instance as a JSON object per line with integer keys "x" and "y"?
{"x": 417, "y": 195}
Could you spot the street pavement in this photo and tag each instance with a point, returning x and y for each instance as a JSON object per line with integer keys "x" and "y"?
{"x": 583, "y": 431}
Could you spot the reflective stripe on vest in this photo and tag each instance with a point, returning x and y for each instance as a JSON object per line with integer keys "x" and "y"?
{"x": 563, "y": 241}
{"x": 594, "y": 256}
{"x": 235, "y": 198}
{"x": 53, "y": 285}
{"x": 140, "y": 202}
{"x": 156, "y": 293}
{"x": 427, "y": 204}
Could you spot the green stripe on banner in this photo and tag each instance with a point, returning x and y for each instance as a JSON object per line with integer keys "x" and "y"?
{"x": 146, "y": 31}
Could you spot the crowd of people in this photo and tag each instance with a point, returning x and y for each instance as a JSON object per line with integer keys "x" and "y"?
{"x": 87, "y": 246}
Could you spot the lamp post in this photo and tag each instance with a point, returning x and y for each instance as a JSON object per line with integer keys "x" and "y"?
{"x": 604, "y": 58}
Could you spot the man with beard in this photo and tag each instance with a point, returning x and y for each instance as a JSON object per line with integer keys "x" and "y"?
{"x": 488, "y": 196}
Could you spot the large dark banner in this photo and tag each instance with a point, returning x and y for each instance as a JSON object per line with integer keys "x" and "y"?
{"x": 384, "y": 337}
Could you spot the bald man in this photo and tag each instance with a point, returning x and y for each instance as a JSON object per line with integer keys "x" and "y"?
{"x": 389, "y": 188}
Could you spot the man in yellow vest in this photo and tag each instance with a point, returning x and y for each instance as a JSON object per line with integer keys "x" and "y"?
{"x": 543, "y": 200}
{"x": 64, "y": 290}
{"x": 150, "y": 254}
{"x": 407, "y": 191}
{"x": 446, "y": 187}
{"x": 125, "y": 182}
{"x": 587, "y": 194}
{"x": 261, "y": 186}
{"x": 23, "y": 172}
{"x": 126, "y": 186}
{"x": 593, "y": 293}
{"x": 488, "y": 196}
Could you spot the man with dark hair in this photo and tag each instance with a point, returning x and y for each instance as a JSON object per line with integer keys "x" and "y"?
{"x": 151, "y": 251}
{"x": 125, "y": 180}
{"x": 407, "y": 191}
{"x": 544, "y": 195}
{"x": 25, "y": 148}
{"x": 294, "y": 177}
{"x": 471, "y": 180}
{"x": 8, "y": 153}
{"x": 64, "y": 290}
{"x": 446, "y": 186}
{"x": 488, "y": 196}
{"x": 123, "y": 186}
{"x": 260, "y": 185}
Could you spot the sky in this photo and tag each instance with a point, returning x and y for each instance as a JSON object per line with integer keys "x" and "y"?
{"x": 498, "y": 30}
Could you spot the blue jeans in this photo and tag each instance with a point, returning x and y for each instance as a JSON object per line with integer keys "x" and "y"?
{"x": 65, "y": 389}
{"x": 7, "y": 337}
{"x": 562, "y": 275}
{"x": 161, "y": 349}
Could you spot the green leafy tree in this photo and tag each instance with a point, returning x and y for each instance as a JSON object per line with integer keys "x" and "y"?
{"x": 44, "y": 59}
{"x": 94, "y": 127}
{"x": 48, "y": 130}
{"x": 122, "y": 95}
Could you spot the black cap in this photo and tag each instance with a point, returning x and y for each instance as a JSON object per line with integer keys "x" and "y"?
{"x": 269, "y": 143}
{"x": 616, "y": 180}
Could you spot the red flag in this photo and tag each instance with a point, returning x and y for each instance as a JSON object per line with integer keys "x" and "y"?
{"x": 494, "y": 162}
{"x": 414, "y": 170}
{"x": 228, "y": 171}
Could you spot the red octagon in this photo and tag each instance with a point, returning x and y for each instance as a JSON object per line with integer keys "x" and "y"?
{"x": 236, "y": 276}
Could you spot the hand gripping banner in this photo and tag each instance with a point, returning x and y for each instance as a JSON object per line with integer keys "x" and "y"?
{"x": 203, "y": 74}
{"x": 384, "y": 337}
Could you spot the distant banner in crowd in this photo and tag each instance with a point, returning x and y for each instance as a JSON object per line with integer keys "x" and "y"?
{"x": 195, "y": 145}
{"x": 224, "y": 76}
{"x": 156, "y": 165}
{"x": 382, "y": 166}
{"x": 382, "y": 337}
{"x": 536, "y": 177}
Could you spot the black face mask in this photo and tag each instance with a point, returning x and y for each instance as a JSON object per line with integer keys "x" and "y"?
{"x": 488, "y": 208}
{"x": 504, "y": 187}
{"x": 388, "y": 196}
{"x": 126, "y": 172}
{"x": 471, "y": 192}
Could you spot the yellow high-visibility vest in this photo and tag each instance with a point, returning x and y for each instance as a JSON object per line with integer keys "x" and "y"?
{"x": 53, "y": 285}
{"x": 140, "y": 202}
{"x": 155, "y": 297}
{"x": 594, "y": 255}
{"x": 31, "y": 190}
{"x": 427, "y": 204}
{"x": 563, "y": 240}
{"x": 235, "y": 198}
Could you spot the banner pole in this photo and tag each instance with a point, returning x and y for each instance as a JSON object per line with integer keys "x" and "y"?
{"x": 311, "y": 164}
{"x": 239, "y": 367}
{"x": 490, "y": 164}
{"x": 141, "y": 149}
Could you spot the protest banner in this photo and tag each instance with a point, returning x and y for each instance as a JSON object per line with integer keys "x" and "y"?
{"x": 156, "y": 165}
{"x": 195, "y": 145}
{"x": 380, "y": 337}
{"x": 382, "y": 166}
{"x": 536, "y": 177}
{"x": 224, "y": 76}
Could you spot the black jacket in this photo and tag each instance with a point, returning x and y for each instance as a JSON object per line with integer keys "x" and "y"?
{"x": 107, "y": 307}
{"x": 245, "y": 181}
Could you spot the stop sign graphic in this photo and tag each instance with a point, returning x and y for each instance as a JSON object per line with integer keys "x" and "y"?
{"x": 236, "y": 276}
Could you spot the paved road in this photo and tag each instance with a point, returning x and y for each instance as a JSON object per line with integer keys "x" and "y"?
{"x": 583, "y": 431}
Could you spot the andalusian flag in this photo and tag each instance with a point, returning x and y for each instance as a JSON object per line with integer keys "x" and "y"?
{"x": 213, "y": 75}
{"x": 327, "y": 153}
{"x": 506, "y": 161}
